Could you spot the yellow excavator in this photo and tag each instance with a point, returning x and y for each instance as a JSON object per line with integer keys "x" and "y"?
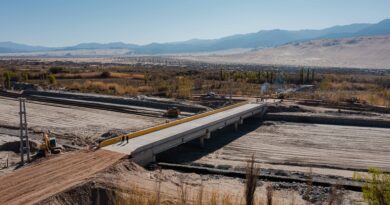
{"x": 48, "y": 146}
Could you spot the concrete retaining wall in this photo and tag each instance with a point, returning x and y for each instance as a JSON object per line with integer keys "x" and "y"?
{"x": 328, "y": 120}
{"x": 114, "y": 100}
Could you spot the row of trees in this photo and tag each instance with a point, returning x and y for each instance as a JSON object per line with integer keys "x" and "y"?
{"x": 303, "y": 76}
{"x": 8, "y": 77}
{"x": 309, "y": 76}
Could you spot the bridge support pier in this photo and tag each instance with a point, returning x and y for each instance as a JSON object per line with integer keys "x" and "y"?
{"x": 236, "y": 126}
{"x": 208, "y": 134}
{"x": 144, "y": 158}
{"x": 201, "y": 139}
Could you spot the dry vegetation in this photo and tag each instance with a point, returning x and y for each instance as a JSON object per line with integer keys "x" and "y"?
{"x": 138, "y": 196}
{"x": 183, "y": 82}
{"x": 188, "y": 194}
{"x": 372, "y": 90}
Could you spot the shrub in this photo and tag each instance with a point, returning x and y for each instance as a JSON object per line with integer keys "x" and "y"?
{"x": 7, "y": 80}
{"x": 252, "y": 172}
{"x": 52, "y": 79}
{"x": 55, "y": 70}
{"x": 376, "y": 188}
{"x": 185, "y": 87}
{"x": 105, "y": 74}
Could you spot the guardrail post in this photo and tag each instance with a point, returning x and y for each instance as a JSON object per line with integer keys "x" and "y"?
{"x": 235, "y": 126}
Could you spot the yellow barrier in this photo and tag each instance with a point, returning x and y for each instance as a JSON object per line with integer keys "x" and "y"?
{"x": 166, "y": 125}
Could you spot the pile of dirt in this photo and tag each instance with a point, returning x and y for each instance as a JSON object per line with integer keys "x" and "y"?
{"x": 14, "y": 146}
{"x": 85, "y": 193}
{"x": 103, "y": 188}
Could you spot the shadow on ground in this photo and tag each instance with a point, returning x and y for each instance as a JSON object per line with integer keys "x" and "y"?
{"x": 192, "y": 151}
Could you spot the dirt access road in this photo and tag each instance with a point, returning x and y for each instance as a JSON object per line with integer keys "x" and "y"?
{"x": 41, "y": 180}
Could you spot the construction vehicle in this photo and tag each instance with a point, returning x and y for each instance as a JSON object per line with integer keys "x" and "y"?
{"x": 172, "y": 112}
{"x": 48, "y": 146}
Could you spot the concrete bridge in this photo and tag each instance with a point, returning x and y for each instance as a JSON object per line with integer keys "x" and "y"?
{"x": 144, "y": 145}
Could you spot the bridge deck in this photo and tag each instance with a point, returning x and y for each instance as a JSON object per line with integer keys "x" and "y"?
{"x": 158, "y": 138}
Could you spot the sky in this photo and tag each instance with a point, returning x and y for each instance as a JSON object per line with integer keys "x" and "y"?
{"x": 69, "y": 22}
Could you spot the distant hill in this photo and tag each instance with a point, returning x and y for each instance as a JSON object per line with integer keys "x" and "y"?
{"x": 115, "y": 45}
{"x": 357, "y": 52}
{"x": 261, "y": 39}
{"x": 11, "y": 47}
{"x": 381, "y": 28}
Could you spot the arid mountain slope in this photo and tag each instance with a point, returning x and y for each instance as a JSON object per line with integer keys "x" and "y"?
{"x": 360, "y": 52}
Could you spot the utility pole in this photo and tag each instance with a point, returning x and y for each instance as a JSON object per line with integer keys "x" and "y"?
{"x": 24, "y": 142}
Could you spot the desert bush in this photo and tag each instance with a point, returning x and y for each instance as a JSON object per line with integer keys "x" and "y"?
{"x": 376, "y": 188}
{"x": 145, "y": 89}
{"x": 102, "y": 87}
{"x": 105, "y": 74}
{"x": 336, "y": 195}
{"x": 270, "y": 192}
{"x": 25, "y": 76}
{"x": 252, "y": 172}
{"x": 7, "y": 79}
{"x": 55, "y": 70}
{"x": 184, "y": 87}
{"x": 52, "y": 79}
{"x": 183, "y": 192}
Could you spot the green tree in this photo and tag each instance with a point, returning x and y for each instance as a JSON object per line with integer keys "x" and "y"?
{"x": 259, "y": 77}
{"x": 25, "y": 77}
{"x": 55, "y": 70}
{"x": 147, "y": 78}
{"x": 308, "y": 76}
{"x": 7, "y": 80}
{"x": 185, "y": 85}
{"x": 376, "y": 188}
{"x": 272, "y": 76}
{"x": 312, "y": 75}
{"x": 301, "y": 76}
{"x": 52, "y": 79}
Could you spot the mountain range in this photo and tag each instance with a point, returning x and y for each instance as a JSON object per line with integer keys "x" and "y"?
{"x": 355, "y": 52}
{"x": 261, "y": 39}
